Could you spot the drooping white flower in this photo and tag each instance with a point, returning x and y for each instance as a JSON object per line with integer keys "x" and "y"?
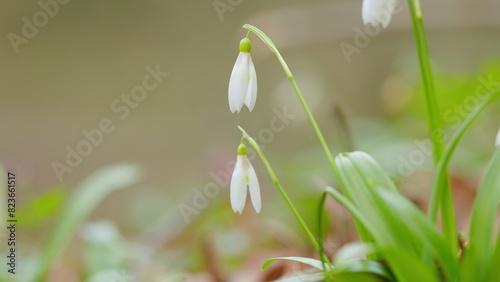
{"x": 244, "y": 176}
{"x": 377, "y": 12}
{"x": 243, "y": 81}
{"x": 497, "y": 142}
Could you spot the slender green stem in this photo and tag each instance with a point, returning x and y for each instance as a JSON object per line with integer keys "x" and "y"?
{"x": 435, "y": 128}
{"x": 437, "y": 194}
{"x": 319, "y": 227}
{"x": 271, "y": 46}
{"x": 290, "y": 76}
{"x": 314, "y": 124}
{"x": 427, "y": 79}
{"x": 276, "y": 182}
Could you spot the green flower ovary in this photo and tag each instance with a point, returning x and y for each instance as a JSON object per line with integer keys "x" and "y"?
{"x": 245, "y": 45}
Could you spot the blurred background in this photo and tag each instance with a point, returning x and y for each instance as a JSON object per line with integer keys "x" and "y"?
{"x": 72, "y": 73}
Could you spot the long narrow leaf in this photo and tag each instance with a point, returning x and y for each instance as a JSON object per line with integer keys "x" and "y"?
{"x": 88, "y": 194}
{"x": 362, "y": 223}
{"x": 363, "y": 266}
{"x": 442, "y": 166}
{"x": 359, "y": 194}
{"x": 309, "y": 261}
{"x": 409, "y": 268}
{"x": 362, "y": 184}
{"x": 423, "y": 229}
{"x": 483, "y": 217}
{"x": 494, "y": 270}
{"x": 441, "y": 192}
{"x": 319, "y": 226}
{"x": 398, "y": 222}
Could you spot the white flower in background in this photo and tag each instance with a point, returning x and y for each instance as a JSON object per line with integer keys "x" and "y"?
{"x": 498, "y": 139}
{"x": 243, "y": 82}
{"x": 377, "y": 12}
{"x": 244, "y": 176}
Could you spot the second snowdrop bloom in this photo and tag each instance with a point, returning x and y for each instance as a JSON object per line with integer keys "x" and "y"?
{"x": 243, "y": 81}
{"x": 244, "y": 177}
{"x": 377, "y": 12}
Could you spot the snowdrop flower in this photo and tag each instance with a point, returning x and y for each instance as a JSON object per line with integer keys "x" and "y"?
{"x": 498, "y": 139}
{"x": 243, "y": 82}
{"x": 377, "y": 12}
{"x": 244, "y": 176}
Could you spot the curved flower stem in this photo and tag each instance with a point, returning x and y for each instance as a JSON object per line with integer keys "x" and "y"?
{"x": 276, "y": 182}
{"x": 290, "y": 76}
{"x": 437, "y": 138}
{"x": 314, "y": 124}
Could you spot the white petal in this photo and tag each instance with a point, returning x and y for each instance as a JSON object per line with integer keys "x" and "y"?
{"x": 238, "y": 188}
{"x": 251, "y": 96}
{"x": 377, "y": 12}
{"x": 498, "y": 139}
{"x": 253, "y": 184}
{"x": 238, "y": 83}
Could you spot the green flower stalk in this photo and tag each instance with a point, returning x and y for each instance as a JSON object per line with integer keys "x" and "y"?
{"x": 295, "y": 86}
{"x": 435, "y": 128}
{"x": 257, "y": 149}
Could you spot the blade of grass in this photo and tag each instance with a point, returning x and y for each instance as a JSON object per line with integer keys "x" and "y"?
{"x": 309, "y": 261}
{"x": 439, "y": 188}
{"x": 376, "y": 180}
{"x": 356, "y": 277}
{"x": 359, "y": 190}
{"x": 348, "y": 205}
{"x": 319, "y": 226}
{"x": 363, "y": 266}
{"x": 494, "y": 270}
{"x": 301, "y": 276}
{"x": 408, "y": 268}
{"x": 422, "y": 228}
{"x": 427, "y": 78}
{"x": 363, "y": 225}
{"x": 435, "y": 126}
{"x": 484, "y": 213}
{"x": 88, "y": 194}
{"x": 399, "y": 223}
{"x": 365, "y": 164}
{"x": 357, "y": 217}
{"x": 363, "y": 186}
{"x": 352, "y": 251}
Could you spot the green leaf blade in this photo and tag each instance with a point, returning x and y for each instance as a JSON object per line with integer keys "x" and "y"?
{"x": 88, "y": 194}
